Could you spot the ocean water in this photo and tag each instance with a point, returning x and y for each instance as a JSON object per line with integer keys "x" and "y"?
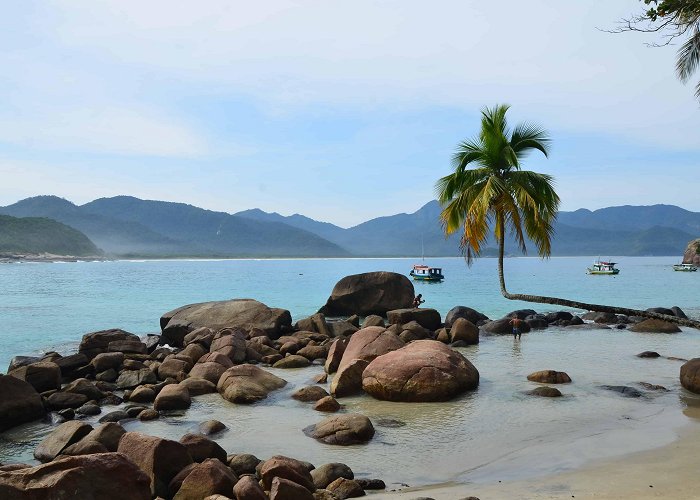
{"x": 494, "y": 433}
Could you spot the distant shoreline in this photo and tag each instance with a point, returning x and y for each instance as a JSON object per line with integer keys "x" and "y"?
{"x": 10, "y": 258}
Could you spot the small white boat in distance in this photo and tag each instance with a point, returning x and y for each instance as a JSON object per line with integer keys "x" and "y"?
{"x": 426, "y": 273}
{"x": 685, "y": 267}
{"x": 602, "y": 267}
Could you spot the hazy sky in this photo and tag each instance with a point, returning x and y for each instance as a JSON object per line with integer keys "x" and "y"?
{"x": 342, "y": 111}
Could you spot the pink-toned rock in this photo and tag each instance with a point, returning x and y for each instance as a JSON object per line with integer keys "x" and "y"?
{"x": 103, "y": 476}
{"x": 161, "y": 459}
{"x": 172, "y": 397}
{"x": 247, "y": 384}
{"x": 208, "y": 371}
{"x": 464, "y": 330}
{"x": 424, "y": 370}
{"x": 247, "y": 488}
{"x": 369, "y": 293}
{"x": 690, "y": 375}
{"x": 43, "y": 376}
{"x": 328, "y": 404}
{"x": 348, "y": 381}
{"x": 207, "y": 478}
{"x": 287, "y": 468}
{"x": 60, "y": 438}
{"x": 335, "y": 354}
{"x": 549, "y": 377}
{"x": 343, "y": 430}
{"x": 284, "y": 489}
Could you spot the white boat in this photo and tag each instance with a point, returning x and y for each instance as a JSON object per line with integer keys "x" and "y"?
{"x": 421, "y": 272}
{"x": 603, "y": 267}
{"x": 685, "y": 267}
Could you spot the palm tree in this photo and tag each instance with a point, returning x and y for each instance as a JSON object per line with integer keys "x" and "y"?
{"x": 488, "y": 186}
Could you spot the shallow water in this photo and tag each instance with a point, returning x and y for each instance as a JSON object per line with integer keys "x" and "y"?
{"x": 494, "y": 433}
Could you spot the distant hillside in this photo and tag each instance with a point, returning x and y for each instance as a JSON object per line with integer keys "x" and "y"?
{"x": 125, "y": 225}
{"x": 35, "y": 235}
{"x": 129, "y": 226}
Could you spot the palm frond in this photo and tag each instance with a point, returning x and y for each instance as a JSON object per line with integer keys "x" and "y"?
{"x": 527, "y": 136}
{"x": 688, "y": 56}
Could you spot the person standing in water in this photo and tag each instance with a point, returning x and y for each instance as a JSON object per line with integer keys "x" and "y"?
{"x": 516, "y": 323}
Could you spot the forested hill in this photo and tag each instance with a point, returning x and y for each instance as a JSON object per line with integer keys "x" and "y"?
{"x": 37, "y": 235}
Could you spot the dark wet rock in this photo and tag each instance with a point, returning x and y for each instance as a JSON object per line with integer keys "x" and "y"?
{"x": 287, "y": 468}
{"x": 328, "y": 404}
{"x": 321, "y": 378}
{"x": 648, "y": 354}
{"x": 655, "y": 326}
{"x": 558, "y": 316}
{"x": 503, "y": 327}
{"x": 69, "y": 364}
{"x": 313, "y": 352}
{"x": 95, "y": 343}
{"x": 335, "y": 355}
{"x": 284, "y": 489}
{"x": 369, "y": 293}
{"x": 114, "y": 416}
{"x": 103, "y": 476}
{"x": 127, "y": 347}
{"x": 242, "y": 313}
{"x": 148, "y": 414}
{"x": 172, "y": 397}
{"x": 601, "y": 317}
{"x": 547, "y": 392}
{"x": 661, "y": 310}
{"x": 111, "y": 400}
{"x": 292, "y": 361}
{"x": 690, "y": 375}
{"x": 210, "y": 477}
{"x": 134, "y": 410}
{"x": 467, "y": 313}
{"x": 247, "y": 384}
{"x": 61, "y": 437}
{"x": 588, "y": 326}
{"x": 43, "y": 375}
{"x": 327, "y": 473}
{"x": 108, "y": 434}
{"x": 19, "y": 402}
{"x": 342, "y": 328}
{"x": 371, "y": 484}
{"x": 344, "y": 430}
{"x": 678, "y": 312}
{"x": 425, "y": 370}
{"x": 19, "y": 361}
{"x": 346, "y": 488}
{"x": 161, "y": 459}
{"x": 652, "y": 387}
{"x": 67, "y": 414}
{"x": 624, "y": 390}
{"x": 209, "y": 427}
{"x": 310, "y": 393}
{"x": 201, "y": 447}
{"x": 110, "y": 375}
{"x": 465, "y": 331}
{"x": 390, "y": 423}
{"x": 85, "y": 387}
{"x": 89, "y": 409}
{"x": 247, "y": 488}
{"x": 243, "y": 463}
{"x": 426, "y": 317}
{"x": 62, "y": 400}
{"x": 549, "y": 377}
{"x": 536, "y": 321}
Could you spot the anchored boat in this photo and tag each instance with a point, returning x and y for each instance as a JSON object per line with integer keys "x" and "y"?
{"x": 685, "y": 267}
{"x": 602, "y": 267}
{"x": 421, "y": 272}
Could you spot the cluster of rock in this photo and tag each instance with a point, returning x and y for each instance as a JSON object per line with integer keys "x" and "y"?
{"x": 107, "y": 462}
{"x": 692, "y": 253}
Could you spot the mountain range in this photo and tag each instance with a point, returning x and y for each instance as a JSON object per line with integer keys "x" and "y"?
{"x": 127, "y": 226}
{"x": 36, "y": 235}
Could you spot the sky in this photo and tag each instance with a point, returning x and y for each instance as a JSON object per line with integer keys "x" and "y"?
{"x": 341, "y": 111}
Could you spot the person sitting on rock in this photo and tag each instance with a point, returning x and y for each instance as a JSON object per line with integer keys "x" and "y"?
{"x": 418, "y": 300}
{"x": 516, "y": 322}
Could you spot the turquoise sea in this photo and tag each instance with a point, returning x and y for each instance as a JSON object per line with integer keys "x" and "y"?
{"x": 48, "y": 306}
{"x": 495, "y": 433}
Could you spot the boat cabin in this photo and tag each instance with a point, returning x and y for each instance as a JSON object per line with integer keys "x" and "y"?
{"x": 426, "y": 273}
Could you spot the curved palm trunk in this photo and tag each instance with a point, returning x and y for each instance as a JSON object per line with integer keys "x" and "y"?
{"x": 579, "y": 305}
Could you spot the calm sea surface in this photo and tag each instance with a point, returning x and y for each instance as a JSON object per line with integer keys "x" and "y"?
{"x": 496, "y": 432}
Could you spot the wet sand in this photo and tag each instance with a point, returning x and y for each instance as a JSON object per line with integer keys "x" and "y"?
{"x": 667, "y": 472}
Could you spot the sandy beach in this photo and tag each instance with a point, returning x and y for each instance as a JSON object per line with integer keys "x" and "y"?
{"x": 670, "y": 471}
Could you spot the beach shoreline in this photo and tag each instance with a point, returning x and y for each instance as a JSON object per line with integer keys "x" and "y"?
{"x": 669, "y": 471}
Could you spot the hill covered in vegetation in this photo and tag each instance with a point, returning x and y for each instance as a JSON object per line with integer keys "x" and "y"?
{"x": 37, "y": 235}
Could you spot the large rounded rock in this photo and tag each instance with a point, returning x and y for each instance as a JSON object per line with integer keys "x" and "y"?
{"x": 327, "y": 473}
{"x": 132, "y": 378}
{"x": 247, "y": 488}
{"x": 63, "y": 436}
{"x": 209, "y": 371}
{"x": 97, "y": 342}
{"x": 369, "y": 293}
{"x": 210, "y": 477}
{"x": 108, "y": 434}
{"x": 549, "y": 377}
{"x": 198, "y": 386}
{"x": 424, "y": 370}
{"x": 107, "y": 360}
{"x": 286, "y": 468}
{"x": 425, "y": 317}
{"x": 43, "y": 376}
{"x": 284, "y": 489}
{"x": 465, "y": 331}
{"x": 161, "y": 459}
{"x": 502, "y": 327}
{"x": 348, "y": 381}
{"x": 85, "y": 387}
{"x": 19, "y": 402}
{"x": 104, "y": 476}
{"x": 247, "y": 384}
{"x": 242, "y": 313}
{"x": 172, "y": 397}
{"x": 467, "y": 313}
{"x": 201, "y": 448}
{"x": 655, "y": 326}
{"x": 342, "y": 430}
{"x": 690, "y": 375}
